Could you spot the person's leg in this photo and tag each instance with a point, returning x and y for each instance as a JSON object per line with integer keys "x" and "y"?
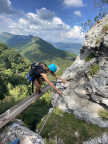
{"x": 37, "y": 86}
{"x": 40, "y": 81}
{"x": 37, "y": 89}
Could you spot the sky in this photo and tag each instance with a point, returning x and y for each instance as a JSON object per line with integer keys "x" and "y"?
{"x": 51, "y": 20}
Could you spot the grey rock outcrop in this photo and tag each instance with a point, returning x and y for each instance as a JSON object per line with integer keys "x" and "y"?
{"x": 86, "y": 95}
{"x": 98, "y": 140}
{"x": 17, "y": 130}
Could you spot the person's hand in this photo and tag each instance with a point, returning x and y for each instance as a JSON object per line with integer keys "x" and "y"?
{"x": 59, "y": 92}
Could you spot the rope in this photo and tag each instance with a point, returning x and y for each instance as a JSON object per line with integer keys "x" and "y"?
{"x": 49, "y": 114}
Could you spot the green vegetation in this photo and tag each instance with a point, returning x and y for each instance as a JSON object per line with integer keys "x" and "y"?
{"x": 13, "y": 72}
{"x": 33, "y": 114}
{"x": 13, "y": 82}
{"x": 103, "y": 114}
{"x": 94, "y": 69}
{"x": 65, "y": 127}
{"x": 13, "y": 75}
{"x": 99, "y": 16}
{"x": 41, "y": 51}
{"x": 89, "y": 57}
{"x": 38, "y": 50}
{"x": 14, "y": 88}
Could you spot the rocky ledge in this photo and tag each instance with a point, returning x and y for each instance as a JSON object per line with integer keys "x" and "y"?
{"x": 86, "y": 92}
{"x": 17, "y": 130}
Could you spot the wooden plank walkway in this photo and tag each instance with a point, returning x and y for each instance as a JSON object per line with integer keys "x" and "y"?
{"x": 14, "y": 111}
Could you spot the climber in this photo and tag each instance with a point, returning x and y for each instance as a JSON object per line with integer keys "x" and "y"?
{"x": 38, "y": 74}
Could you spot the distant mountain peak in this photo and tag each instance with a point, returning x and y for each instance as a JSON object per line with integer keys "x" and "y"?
{"x": 6, "y": 33}
{"x": 71, "y": 47}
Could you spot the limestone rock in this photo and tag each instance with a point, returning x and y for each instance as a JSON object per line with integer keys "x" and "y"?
{"x": 16, "y": 130}
{"x": 86, "y": 95}
{"x": 98, "y": 140}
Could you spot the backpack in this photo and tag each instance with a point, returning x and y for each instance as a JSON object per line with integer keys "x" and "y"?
{"x": 35, "y": 71}
{"x": 30, "y": 74}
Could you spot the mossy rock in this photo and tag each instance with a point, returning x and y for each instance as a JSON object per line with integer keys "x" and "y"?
{"x": 89, "y": 57}
{"x": 103, "y": 114}
{"x": 94, "y": 70}
{"x": 65, "y": 127}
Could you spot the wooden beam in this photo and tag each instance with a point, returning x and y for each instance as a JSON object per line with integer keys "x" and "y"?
{"x": 14, "y": 111}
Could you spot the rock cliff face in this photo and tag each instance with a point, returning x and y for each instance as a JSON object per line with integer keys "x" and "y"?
{"x": 17, "y": 130}
{"x": 98, "y": 140}
{"x": 86, "y": 93}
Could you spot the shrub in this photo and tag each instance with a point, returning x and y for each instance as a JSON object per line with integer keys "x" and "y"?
{"x": 103, "y": 114}
{"x": 66, "y": 127}
{"x": 89, "y": 57}
{"x": 94, "y": 69}
{"x": 3, "y": 46}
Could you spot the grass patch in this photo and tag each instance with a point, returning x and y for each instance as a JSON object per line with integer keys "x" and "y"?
{"x": 93, "y": 70}
{"x": 34, "y": 113}
{"x": 103, "y": 114}
{"x": 89, "y": 57}
{"x": 65, "y": 127}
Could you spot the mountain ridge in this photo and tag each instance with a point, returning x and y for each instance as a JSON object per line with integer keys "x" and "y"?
{"x": 70, "y": 47}
{"x": 37, "y": 50}
{"x": 12, "y": 40}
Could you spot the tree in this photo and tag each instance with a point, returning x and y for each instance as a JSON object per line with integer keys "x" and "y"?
{"x": 100, "y": 5}
{"x": 87, "y": 25}
{"x": 99, "y": 16}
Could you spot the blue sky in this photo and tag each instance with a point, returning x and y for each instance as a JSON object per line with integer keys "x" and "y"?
{"x": 65, "y": 12}
{"x": 52, "y": 20}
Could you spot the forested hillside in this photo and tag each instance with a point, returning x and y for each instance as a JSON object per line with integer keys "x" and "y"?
{"x": 14, "y": 67}
{"x": 38, "y": 50}
{"x": 13, "y": 82}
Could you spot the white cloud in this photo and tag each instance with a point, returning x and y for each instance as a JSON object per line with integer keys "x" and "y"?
{"x": 23, "y": 21}
{"x": 5, "y": 23}
{"x": 74, "y": 33}
{"x": 57, "y": 20}
{"x": 5, "y": 7}
{"x": 45, "y": 14}
{"x": 74, "y": 3}
{"x": 78, "y": 13}
{"x": 53, "y": 30}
